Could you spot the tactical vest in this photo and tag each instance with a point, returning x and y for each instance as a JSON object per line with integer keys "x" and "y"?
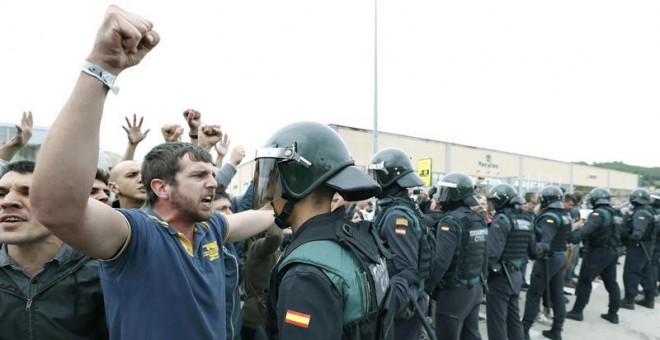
{"x": 354, "y": 259}
{"x": 564, "y": 225}
{"x": 426, "y": 244}
{"x": 467, "y": 265}
{"x": 519, "y": 232}
{"x": 607, "y": 235}
{"x": 651, "y": 229}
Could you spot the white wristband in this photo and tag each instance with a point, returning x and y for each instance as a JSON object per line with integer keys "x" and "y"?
{"x": 96, "y": 71}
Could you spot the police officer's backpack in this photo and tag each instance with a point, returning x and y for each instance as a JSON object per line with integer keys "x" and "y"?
{"x": 361, "y": 240}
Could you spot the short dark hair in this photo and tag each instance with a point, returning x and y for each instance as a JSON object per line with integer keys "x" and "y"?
{"x": 162, "y": 162}
{"x": 22, "y": 167}
{"x": 102, "y": 175}
{"x": 529, "y": 195}
{"x": 570, "y": 197}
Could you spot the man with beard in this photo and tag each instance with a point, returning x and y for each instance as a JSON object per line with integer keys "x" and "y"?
{"x": 163, "y": 274}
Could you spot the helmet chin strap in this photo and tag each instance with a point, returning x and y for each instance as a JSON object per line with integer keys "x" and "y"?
{"x": 281, "y": 218}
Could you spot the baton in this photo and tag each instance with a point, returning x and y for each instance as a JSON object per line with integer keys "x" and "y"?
{"x": 429, "y": 331}
{"x": 508, "y": 277}
{"x": 547, "y": 283}
{"x": 646, "y": 253}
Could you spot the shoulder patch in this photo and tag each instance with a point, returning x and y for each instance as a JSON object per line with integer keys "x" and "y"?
{"x": 444, "y": 228}
{"x": 402, "y": 221}
{"x": 297, "y": 318}
{"x": 641, "y": 217}
{"x": 595, "y": 213}
{"x": 400, "y": 231}
{"x": 550, "y": 221}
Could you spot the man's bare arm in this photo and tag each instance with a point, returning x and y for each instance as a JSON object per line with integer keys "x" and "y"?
{"x": 67, "y": 161}
{"x": 20, "y": 139}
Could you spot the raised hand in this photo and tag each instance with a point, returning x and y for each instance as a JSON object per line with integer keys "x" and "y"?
{"x": 222, "y": 146}
{"x": 209, "y": 136}
{"x": 171, "y": 132}
{"x": 237, "y": 155}
{"x": 194, "y": 120}
{"x": 23, "y": 131}
{"x": 122, "y": 41}
{"x": 134, "y": 130}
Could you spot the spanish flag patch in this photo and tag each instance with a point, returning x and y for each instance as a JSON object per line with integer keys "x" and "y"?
{"x": 400, "y": 231}
{"x": 550, "y": 221}
{"x": 444, "y": 228}
{"x": 297, "y": 319}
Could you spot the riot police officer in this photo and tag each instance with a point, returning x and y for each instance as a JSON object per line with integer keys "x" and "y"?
{"x": 510, "y": 241}
{"x": 330, "y": 282}
{"x": 639, "y": 237}
{"x": 601, "y": 237}
{"x": 553, "y": 226}
{"x": 460, "y": 260}
{"x": 655, "y": 203}
{"x": 401, "y": 226}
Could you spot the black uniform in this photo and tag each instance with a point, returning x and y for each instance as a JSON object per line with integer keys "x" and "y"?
{"x": 399, "y": 230}
{"x": 459, "y": 265}
{"x": 600, "y": 236}
{"x": 555, "y": 227}
{"x": 510, "y": 241}
{"x": 639, "y": 248}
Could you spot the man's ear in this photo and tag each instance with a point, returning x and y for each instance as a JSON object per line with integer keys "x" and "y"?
{"x": 114, "y": 188}
{"x": 160, "y": 188}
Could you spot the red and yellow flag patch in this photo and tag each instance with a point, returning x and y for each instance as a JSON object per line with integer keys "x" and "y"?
{"x": 444, "y": 228}
{"x": 297, "y": 319}
{"x": 400, "y": 231}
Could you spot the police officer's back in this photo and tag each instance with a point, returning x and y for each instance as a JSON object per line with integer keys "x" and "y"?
{"x": 600, "y": 235}
{"x": 639, "y": 239}
{"x": 331, "y": 281}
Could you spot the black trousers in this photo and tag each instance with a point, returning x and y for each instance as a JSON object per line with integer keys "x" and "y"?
{"x": 502, "y": 306}
{"x": 598, "y": 261}
{"x": 538, "y": 284}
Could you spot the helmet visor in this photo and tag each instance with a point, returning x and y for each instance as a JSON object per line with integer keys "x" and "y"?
{"x": 443, "y": 191}
{"x": 266, "y": 185}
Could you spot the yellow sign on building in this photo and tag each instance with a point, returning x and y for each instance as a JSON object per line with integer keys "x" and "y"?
{"x": 424, "y": 170}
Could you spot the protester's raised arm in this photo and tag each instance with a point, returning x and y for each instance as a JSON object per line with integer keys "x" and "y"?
{"x": 22, "y": 137}
{"x": 67, "y": 161}
{"x": 135, "y": 136}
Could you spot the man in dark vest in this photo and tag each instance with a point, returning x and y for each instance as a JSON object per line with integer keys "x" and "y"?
{"x": 460, "y": 260}
{"x": 600, "y": 236}
{"x": 510, "y": 241}
{"x": 553, "y": 226}
{"x": 401, "y": 227}
{"x": 639, "y": 238}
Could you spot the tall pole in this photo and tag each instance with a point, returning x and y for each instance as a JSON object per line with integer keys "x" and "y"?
{"x": 375, "y": 76}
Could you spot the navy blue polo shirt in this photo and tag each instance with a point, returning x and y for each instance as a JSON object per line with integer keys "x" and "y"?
{"x": 160, "y": 286}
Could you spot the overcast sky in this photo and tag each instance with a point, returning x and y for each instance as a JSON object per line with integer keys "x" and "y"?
{"x": 565, "y": 80}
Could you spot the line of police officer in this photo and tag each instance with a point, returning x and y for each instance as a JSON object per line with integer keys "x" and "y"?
{"x": 372, "y": 281}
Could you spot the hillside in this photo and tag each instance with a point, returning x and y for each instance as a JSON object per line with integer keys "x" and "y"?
{"x": 649, "y": 176}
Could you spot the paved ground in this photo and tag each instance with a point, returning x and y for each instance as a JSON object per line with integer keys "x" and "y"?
{"x": 641, "y": 323}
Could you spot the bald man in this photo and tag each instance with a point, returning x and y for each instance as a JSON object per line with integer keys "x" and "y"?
{"x": 126, "y": 183}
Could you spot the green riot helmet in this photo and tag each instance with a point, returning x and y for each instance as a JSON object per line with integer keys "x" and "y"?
{"x": 393, "y": 165}
{"x": 640, "y": 196}
{"x": 552, "y": 197}
{"x": 599, "y": 196}
{"x": 502, "y": 195}
{"x": 456, "y": 187}
{"x": 301, "y": 157}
